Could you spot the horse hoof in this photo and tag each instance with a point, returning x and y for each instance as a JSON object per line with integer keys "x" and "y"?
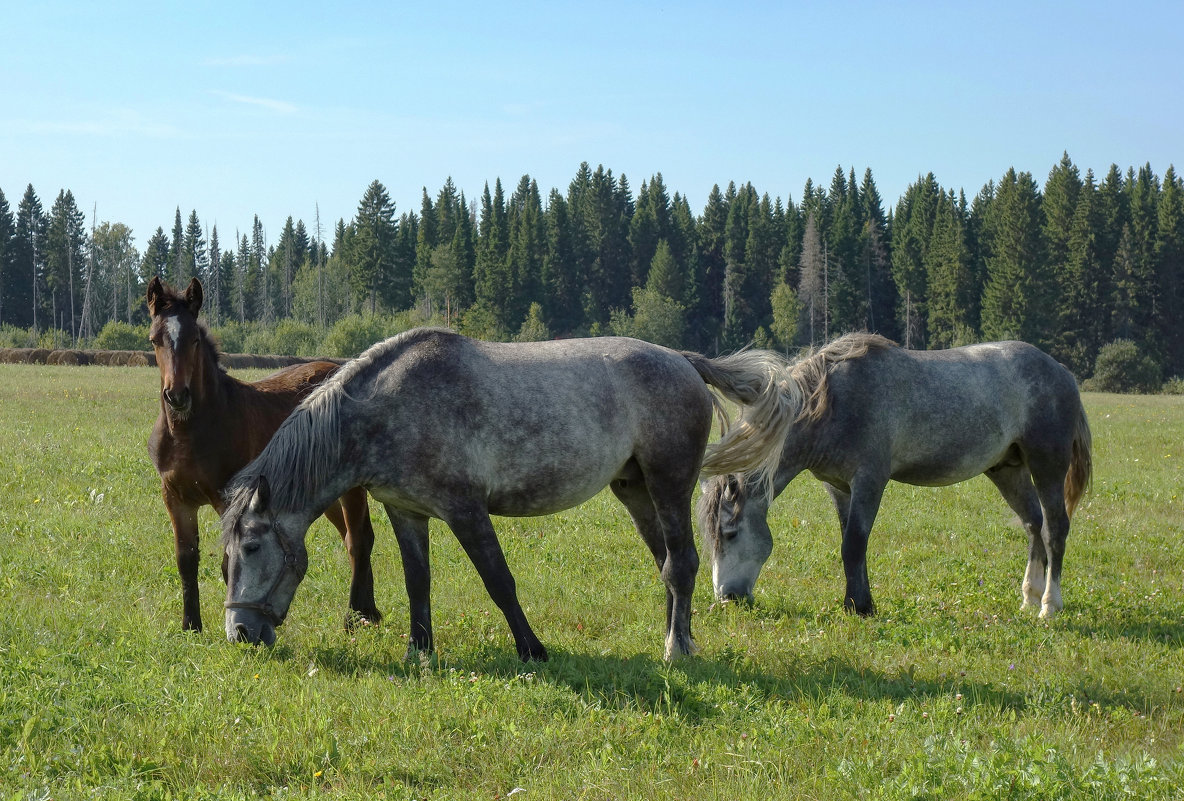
{"x": 534, "y": 655}
{"x": 356, "y": 619}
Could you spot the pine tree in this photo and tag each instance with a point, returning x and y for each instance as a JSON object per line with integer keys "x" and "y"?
{"x": 562, "y": 282}
{"x": 949, "y": 286}
{"x": 911, "y": 231}
{"x": 65, "y": 258}
{"x": 711, "y": 235}
{"x": 8, "y": 264}
{"x": 1083, "y": 317}
{"x": 374, "y": 276}
{"x": 1169, "y": 257}
{"x": 1014, "y": 304}
{"x": 177, "y": 275}
{"x": 214, "y": 288}
{"x": 812, "y": 284}
{"x": 27, "y": 284}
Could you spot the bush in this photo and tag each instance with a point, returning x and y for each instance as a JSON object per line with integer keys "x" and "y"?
{"x": 232, "y": 337}
{"x": 1175, "y": 386}
{"x": 122, "y": 336}
{"x": 292, "y": 338}
{"x": 351, "y": 335}
{"x": 13, "y": 337}
{"x": 1121, "y": 368}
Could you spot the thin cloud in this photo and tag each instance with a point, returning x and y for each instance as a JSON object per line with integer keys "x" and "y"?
{"x": 278, "y": 106}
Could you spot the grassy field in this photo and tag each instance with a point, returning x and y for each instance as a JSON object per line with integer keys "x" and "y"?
{"x": 950, "y": 692}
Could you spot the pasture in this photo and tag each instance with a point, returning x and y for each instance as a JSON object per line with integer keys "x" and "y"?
{"x": 950, "y": 692}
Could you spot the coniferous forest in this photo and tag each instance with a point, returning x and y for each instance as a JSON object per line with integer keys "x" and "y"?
{"x": 1072, "y": 265}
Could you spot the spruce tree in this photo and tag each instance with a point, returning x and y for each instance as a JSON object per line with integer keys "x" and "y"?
{"x": 1014, "y": 304}
{"x": 1169, "y": 257}
{"x": 8, "y": 264}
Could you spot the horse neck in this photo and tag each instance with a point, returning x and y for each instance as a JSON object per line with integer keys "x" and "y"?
{"x": 304, "y": 462}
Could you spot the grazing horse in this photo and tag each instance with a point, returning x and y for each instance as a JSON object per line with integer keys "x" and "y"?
{"x": 211, "y": 424}
{"x": 434, "y": 424}
{"x": 863, "y": 411}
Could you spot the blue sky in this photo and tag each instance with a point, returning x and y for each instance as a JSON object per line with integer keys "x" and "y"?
{"x": 237, "y": 109}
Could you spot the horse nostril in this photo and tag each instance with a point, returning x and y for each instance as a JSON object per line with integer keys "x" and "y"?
{"x": 240, "y": 633}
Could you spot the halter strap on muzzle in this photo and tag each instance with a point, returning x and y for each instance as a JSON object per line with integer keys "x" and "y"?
{"x": 264, "y": 606}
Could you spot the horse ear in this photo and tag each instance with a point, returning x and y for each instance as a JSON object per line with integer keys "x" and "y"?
{"x": 193, "y": 296}
{"x": 155, "y": 290}
{"x": 260, "y": 496}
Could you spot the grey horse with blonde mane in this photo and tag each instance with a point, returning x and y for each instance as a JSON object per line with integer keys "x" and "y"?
{"x": 861, "y": 412}
{"x": 434, "y": 424}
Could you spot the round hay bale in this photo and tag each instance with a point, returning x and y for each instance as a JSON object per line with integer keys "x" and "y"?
{"x": 38, "y": 355}
{"x": 137, "y": 359}
{"x": 6, "y": 355}
{"x": 19, "y": 355}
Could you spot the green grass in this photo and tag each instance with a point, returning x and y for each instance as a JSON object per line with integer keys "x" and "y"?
{"x": 950, "y": 692}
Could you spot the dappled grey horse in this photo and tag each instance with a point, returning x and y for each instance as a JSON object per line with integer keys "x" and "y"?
{"x": 862, "y": 411}
{"x": 433, "y": 424}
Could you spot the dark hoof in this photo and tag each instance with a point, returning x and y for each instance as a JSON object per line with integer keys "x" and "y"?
{"x": 534, "y": 654}
{"x": 863, "y": 610}
{"x": 360, "y": 619}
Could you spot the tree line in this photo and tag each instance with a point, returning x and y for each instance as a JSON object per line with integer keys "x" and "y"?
{"x": 1069, "y": 266}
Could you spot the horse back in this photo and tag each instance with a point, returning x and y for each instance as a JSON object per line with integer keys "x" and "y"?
{"x": 938, "y": 417}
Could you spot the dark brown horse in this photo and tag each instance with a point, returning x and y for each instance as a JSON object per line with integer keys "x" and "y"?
{"x": 211, "y": 425}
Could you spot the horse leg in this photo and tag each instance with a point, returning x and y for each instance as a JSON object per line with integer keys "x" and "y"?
{"x": 862, "y": 502}
{"x": 669, "y": 539}
{"x": 185, "y": 538}
{"x": 1014, "y": 483}
{"x": 474, "y": 530}
{"x": 411, "y": 531}
{"x": 1050, "y": 487}
{"x": 351, "y": 515}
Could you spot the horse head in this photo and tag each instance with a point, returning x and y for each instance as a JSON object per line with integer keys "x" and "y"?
{"x": 177, "y": 338}
{"x": 736, "y": 537}
{"x": 265, "y": 562}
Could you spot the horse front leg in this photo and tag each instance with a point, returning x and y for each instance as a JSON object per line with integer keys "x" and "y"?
{"x": 673, "y": 548}
{"x": 857, "y": 510}
{"x": 474, "y": 529}
{"x": 411, "y": 532}
{"x": 351, "y": 516}
{"x": 185, "y": 539}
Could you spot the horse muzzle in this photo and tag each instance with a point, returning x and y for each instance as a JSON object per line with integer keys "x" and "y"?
{"x": 179, "y": 400}
{"x": 249, "y": 626}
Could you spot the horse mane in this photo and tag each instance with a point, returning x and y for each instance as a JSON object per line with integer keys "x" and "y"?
{"x": 811, "y": 372}
{"x": 305, "y": 450}
{"x": 798, "y": 394}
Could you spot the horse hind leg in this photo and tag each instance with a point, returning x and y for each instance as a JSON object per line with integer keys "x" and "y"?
{"x": 1014, "y": 483}
{"x": 1051, "y": 491}
{"x": 351, "y": 516}
{"x": 665, "y": 527}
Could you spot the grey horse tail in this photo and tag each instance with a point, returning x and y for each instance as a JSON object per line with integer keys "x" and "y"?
{"x": 1080, "y": 465}
{"x": 760, "y": 381}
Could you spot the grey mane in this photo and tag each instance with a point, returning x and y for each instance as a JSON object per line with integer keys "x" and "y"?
{"x": 800, "y": 393}
{"x": 812, "y": 371}
{"x": 306, "y": 449}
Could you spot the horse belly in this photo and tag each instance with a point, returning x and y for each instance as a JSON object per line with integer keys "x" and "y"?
{"x": 942, "y": 467}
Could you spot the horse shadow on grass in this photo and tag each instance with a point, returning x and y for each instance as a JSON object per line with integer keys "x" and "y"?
{"x": 689, "y": 687}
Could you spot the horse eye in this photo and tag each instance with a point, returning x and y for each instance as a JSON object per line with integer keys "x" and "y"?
{"x": 251, "y": 546}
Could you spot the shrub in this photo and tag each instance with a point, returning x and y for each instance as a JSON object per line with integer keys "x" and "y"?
{"x": 13, "y": 337}
{"x": 1121, "y": 368}
{"x": 351, "y": 335}
{"x": 122, "y": 336}
{"x": 293, "y": 338}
